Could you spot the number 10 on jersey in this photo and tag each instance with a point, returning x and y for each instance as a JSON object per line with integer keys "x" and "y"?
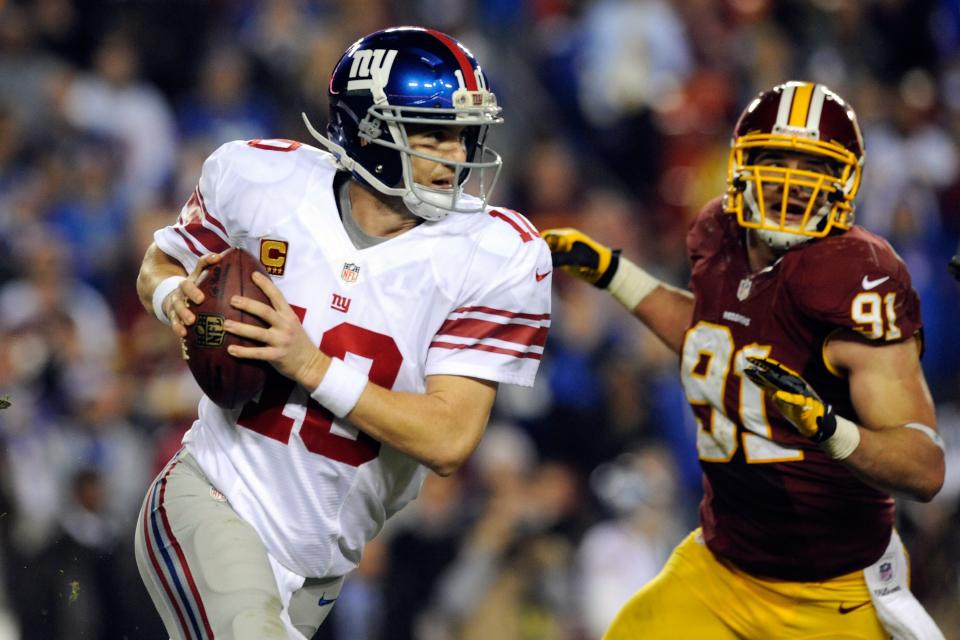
{"x": 266, "y": 416}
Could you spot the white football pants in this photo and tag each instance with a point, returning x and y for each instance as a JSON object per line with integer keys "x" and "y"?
{"x": 208, "y": 572}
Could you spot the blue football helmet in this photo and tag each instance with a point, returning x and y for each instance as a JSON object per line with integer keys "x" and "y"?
{"x": 410, "y": 75}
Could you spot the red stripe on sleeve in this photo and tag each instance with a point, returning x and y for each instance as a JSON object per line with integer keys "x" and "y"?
{"x": 190, "y": 245}
{"x": 192, "y": 211}
{"x": 206, "y": 213}
{"x": 518, "y": 333}
{"x": 465, "y": 67}
{"x": 484, "y": 347}
{"x": 503, "y": 313}
{"x": 212, "y": 242}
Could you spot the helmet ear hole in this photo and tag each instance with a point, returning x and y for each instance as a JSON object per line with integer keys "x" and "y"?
{"x": 370, "y": 128}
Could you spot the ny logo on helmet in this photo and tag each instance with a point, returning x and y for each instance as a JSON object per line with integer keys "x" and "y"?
{"x": 369, "y": 65}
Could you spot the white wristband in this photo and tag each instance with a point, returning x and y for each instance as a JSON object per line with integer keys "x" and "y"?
{"x": 844, "y": 440}
{"x": 160, "y": 294}
{"x": 631, "y": 284}
{"x": 340, "y": 389}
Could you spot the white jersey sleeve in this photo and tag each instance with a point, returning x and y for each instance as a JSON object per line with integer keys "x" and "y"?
{"x": 221, "y": 210}
{"x": 498, "y": 327}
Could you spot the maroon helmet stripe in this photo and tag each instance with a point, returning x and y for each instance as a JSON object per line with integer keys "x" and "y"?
{"x": 465, "y": 67}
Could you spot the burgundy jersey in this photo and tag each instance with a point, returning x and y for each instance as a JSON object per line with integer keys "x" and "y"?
{"x": 774, "y": 504}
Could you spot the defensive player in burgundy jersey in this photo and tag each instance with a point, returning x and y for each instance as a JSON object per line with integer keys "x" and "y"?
{"x": 799, "y": 343}
{"x": 398, "y": 303}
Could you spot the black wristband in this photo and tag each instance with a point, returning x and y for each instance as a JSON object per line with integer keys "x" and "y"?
{"x": 611, "y": 271}
{"x": 827, "y": 423}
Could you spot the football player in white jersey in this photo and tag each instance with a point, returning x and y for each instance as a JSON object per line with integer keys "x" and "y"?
{"x": 399, "y": 302}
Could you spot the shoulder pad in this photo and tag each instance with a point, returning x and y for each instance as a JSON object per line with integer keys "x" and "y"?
{"x": 266, "y": 161}
{"x": 854, "y": 280}
{"x": 512, "y": 224}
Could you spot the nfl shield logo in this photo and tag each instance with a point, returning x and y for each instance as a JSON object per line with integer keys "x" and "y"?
{"x": 350, "y": 272}
{"x": 886, "y": 571}
{"x": 744, "y": 289}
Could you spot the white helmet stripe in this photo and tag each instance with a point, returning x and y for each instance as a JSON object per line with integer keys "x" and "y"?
{"x": 786, "y": 101}
{"x": 816, "y": 108}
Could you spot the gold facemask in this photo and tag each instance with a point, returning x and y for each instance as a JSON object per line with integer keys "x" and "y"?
{"x": 829, "y": 198}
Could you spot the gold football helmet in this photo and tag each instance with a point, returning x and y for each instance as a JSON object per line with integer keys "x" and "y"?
{"x": 796, "y": 159}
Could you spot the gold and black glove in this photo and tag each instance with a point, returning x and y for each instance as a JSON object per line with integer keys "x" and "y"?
{"x": 581, "y": 256}
{"x": 794, "y": 397}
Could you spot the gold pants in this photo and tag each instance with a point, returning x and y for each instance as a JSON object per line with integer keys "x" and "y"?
{"x": 700, "y": 597}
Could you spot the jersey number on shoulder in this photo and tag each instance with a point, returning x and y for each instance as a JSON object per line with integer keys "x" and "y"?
{"x": 871, "y": 313}
{"x": 520, "y": 224}
{"x": 320, "y": 434}
{"x": 275, "y": 144}
{"x": 707, "y": 359}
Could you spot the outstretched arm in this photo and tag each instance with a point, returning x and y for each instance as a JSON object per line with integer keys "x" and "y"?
{"x": 666, "y": 310}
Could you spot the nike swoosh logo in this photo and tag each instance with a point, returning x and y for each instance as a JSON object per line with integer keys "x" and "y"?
{"x": 324, "y": 602}
{"x": 843, "y": 610}
{"x": 870, "y": 284}
{"x": 541, "y": 276}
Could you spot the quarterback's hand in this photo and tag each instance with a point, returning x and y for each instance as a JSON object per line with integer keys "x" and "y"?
{"x": 794, "y": 397}
{"x": 176, "y": 305}
{"x": 286, "y": 345}
{"x": 580, "y": 255}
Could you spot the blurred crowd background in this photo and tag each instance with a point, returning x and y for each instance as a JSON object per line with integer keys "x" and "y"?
{"x": 618, "y": 114}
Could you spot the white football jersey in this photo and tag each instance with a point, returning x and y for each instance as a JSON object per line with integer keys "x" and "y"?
{"x": 468, "y": 295}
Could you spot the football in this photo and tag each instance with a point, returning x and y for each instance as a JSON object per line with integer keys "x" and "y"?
{"x": 228, "y": 381}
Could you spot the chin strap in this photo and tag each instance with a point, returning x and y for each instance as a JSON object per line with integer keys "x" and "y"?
{"x": 423, "y": 209}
